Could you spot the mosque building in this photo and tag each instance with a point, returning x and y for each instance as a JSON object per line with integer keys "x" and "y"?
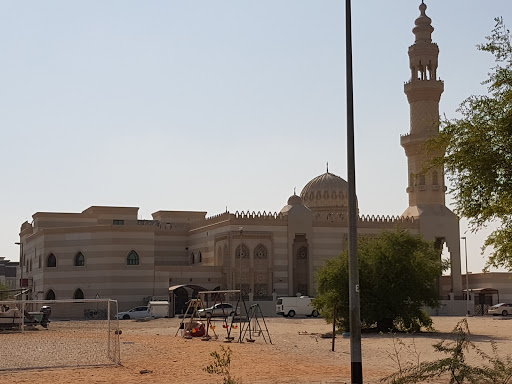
{"x": 108, "y": 252}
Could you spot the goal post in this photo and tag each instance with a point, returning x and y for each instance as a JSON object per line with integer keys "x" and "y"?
{"x": 80, "y": 332}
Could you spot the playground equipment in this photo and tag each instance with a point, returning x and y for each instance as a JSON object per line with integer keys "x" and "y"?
{"x": 226, "y": 313}
{"x": 253, "y": 325}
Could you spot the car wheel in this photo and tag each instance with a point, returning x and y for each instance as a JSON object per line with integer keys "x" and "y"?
{"x": 504, "y": 313}
{"x": 126, "y": 317}
{"x": 314, "y": 313}
{"x": 291, "y": 314}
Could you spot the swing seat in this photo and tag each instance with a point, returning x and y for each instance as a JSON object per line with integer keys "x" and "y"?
{"x": 225, "y": 326}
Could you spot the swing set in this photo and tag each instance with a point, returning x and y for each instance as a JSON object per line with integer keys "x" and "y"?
{"x": 225, "y": 312}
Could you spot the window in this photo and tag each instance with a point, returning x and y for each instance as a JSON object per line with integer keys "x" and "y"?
{"x": 79, "y": 260}
{"x": 51, "y": 262}
{"x": 435, "y": 178}
{"x": 421, "y": 179}
{"x": 50, "y": 295}
{"x": 260, "y": 252}
{"x": 78, "y": 294}
{"x": 192, "y": 258}
{"x": 302, "y": 253}
{"x": 245, "y": 252}
{"x": 200, "y": 257}
{"x": 132, "y": 258}
{"x": 118, "y": 222}
{"x": 39, "y": 264}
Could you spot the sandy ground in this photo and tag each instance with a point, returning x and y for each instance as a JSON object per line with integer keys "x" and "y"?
{"x": 297, "y": 354}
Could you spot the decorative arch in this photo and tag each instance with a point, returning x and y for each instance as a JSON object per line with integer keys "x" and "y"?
{"x": 51, "y": 261}
{"x": 132, "y": 258}
{"x": 79, "y": 294}
{"x": 50, "y": 295}
{"x": 245, "y": 252}
{"x": 260, "y": 252}
{"x": 79, "y": 260}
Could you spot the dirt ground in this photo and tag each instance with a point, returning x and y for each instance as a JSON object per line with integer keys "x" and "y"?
{"x": 298, "y": 354}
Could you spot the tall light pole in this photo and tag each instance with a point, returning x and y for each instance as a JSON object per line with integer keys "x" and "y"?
{"x": 21, "y": 261}
{"x": 356, "y": 367}
{"x": 241, "y": 255}
{"x": 467, "y": 279}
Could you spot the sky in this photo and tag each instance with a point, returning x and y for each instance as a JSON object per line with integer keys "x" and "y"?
{"x": 212, "y": 104}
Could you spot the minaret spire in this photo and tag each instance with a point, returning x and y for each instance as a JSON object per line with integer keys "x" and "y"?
{"x": 423, "y": 92}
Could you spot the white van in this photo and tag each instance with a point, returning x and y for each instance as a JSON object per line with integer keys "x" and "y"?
{"x": 297, "y": 305}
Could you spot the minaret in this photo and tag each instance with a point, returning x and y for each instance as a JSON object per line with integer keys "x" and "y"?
{"x": 426, "y": 187}
{"x": 423, "y": 92}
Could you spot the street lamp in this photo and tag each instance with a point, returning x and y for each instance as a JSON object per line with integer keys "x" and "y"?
{"x": 21, "y": 258}
{"x": 241, "y": 255}
{"x": 467, "y": 283}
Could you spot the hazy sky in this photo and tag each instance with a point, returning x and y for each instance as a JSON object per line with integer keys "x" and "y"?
{"x": 207, "y": 104}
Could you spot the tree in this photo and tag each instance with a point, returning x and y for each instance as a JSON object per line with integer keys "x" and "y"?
{"x": 4, "y": 295}
{"x": 478, "y": 157}
{"x": 398, "y": 275}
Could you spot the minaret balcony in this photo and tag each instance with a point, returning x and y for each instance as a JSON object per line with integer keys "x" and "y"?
{"x": 418, "y": 90}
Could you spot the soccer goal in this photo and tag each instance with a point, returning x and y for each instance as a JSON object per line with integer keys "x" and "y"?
{"x": 58, "y": 333}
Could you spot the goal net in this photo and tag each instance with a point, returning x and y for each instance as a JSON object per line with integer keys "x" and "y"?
{"x": 58, "y": 333}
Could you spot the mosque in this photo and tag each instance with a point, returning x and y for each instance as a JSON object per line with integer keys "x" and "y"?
{"x": 107, "y": 252}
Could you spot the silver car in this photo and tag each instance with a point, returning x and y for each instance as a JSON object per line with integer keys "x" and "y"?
{"x": 502, "y": 309}
{"x": 134, "y": 313}
{"x": 218, "y": 310}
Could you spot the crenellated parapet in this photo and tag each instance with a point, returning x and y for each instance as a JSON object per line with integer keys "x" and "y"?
{"x": 385, "y": 219}
{"x": 259, "y": 215}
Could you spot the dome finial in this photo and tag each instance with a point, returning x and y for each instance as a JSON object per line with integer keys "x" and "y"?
{"x": 327, "y": 167}
{"x": 294, "y": 193}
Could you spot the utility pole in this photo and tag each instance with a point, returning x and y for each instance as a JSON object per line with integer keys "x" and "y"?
{"x": 356, "y": 367}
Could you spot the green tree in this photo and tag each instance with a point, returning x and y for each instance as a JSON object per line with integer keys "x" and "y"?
{"x": 4, "y": 295}
{"x": 478, "y": 157}
{"x": 398, "y": 274}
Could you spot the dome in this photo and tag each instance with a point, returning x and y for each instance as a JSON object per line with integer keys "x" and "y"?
{"x": 294, "y": 200}
{"x": 327, "y": 191}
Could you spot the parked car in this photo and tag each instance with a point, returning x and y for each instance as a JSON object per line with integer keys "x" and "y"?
{"x": 502, "y": 309}
{"x": 219, "y": 309}
{"x": 134, "y": 313}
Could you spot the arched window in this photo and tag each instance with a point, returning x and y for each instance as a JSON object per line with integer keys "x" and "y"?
{"x": 302, "y": 253}
{"x": 132, "y": 258}
{"x": 50, "y": 295}
{"x": 78, "y": 294}
{"x": 192, "y": 258}
{"x": 245, "y": 252}
{"x": 51, "y": 261}
{"x": 40, "y": 262}
{"x": 435, "y": 178}
{"x": 200, "y": 257}
{"x": 260, "y": 252}
{"x": 421, "y": 179}
{"x": 79, "y": 260}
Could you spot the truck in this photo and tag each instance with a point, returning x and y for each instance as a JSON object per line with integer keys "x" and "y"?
{"x": 296, "y": 305}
